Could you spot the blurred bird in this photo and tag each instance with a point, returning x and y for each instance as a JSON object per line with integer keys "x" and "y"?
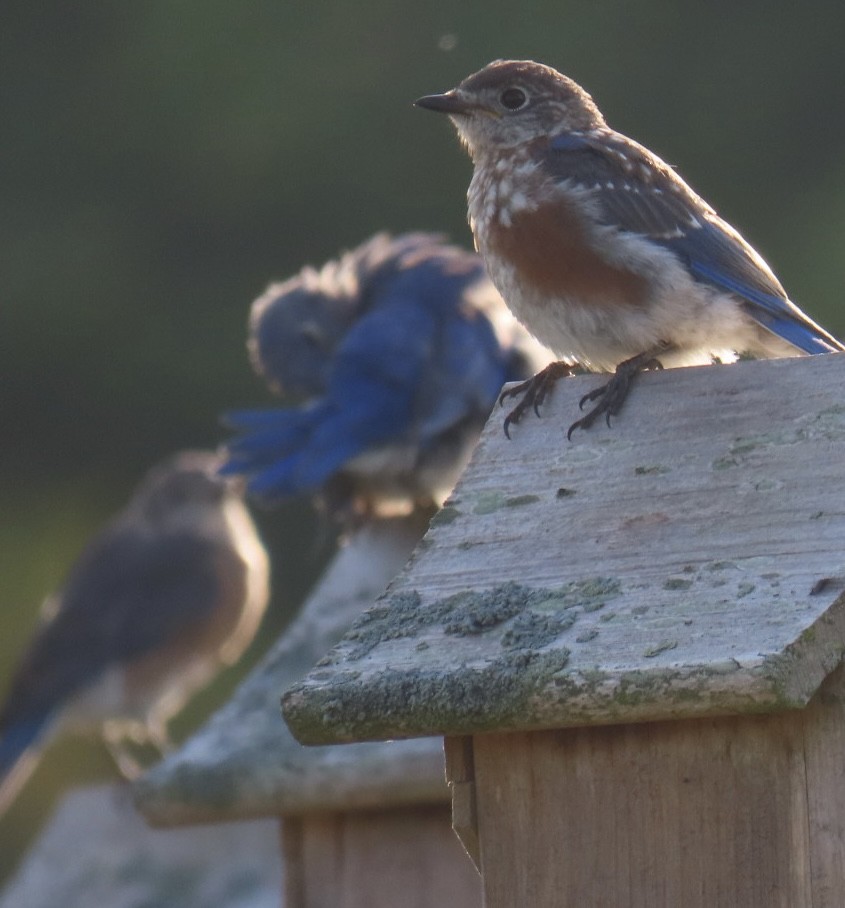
{"x": 172, "y": 589}
{"x": 600, "y": 248}
{"x": 400, "y": 348}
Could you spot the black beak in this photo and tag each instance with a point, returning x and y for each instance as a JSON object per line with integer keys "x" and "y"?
{"x": 448, "y": 103}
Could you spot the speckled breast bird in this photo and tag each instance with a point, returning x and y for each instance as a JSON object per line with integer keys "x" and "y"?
{"x": 170, "y": 591}
{"x": 600, "y": 249}
{"x": 398, "y": 350}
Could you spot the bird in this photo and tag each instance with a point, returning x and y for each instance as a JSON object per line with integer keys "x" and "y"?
{"x": 169, "y": 591}
{"x": 396, "y": 353}
{"x": 600, "y": 248}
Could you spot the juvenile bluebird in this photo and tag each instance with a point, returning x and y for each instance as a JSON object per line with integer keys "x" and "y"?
{"x": 600, "y": 248}
{"x": 172, "y": 589}
{"x": 400, "y": 349}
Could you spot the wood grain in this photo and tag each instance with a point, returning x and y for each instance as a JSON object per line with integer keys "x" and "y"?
{"x": 672, "y": 559}
{"x": 378, "y": 859}
{"x": 460, "y": 774}
{"x": 735, "y": 812}
{"x": 698, "y": 813}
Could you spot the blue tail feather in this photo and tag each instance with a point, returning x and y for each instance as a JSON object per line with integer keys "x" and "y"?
{"x": 18, "y": 757}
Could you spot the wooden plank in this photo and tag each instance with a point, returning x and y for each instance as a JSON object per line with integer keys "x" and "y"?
{"x": 292, "y": 835}
{"x": 824, "y": 747}
{"x": 460, "y": 774}
{"x": 460, "y": 764}
{"x": 465, "y": 820}
{"x": 665, "y": 567}
{"x": 378, "y": 859}
{"x": 698, "y": 813}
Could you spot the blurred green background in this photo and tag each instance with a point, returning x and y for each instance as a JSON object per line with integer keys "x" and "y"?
{"x": 161, "y": 161}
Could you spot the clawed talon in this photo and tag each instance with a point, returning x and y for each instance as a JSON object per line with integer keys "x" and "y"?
{"x": 609, "y": 397}
{"x": 612, "y": 396}
{"x": 534, "y": 391}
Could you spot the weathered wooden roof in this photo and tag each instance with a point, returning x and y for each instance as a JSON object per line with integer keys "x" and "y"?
{"x": 687, "y": 561}
{"x": 245, "y": 763}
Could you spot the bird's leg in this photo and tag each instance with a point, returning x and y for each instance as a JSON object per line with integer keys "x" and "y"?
{"x": 612, "y": 395}
{"x": 157, "y": 734}
{"x": 122, "y": 737}
{"x": 534, "y": 391}
{"x": 116, "y": 740}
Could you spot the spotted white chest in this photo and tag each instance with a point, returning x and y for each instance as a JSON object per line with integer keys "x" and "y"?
{"x": 501, "y": 189}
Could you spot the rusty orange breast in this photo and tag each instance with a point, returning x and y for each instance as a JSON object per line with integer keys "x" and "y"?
{"x": 550, "y": 252}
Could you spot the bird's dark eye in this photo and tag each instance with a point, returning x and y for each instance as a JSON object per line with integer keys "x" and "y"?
{"x": 312, "y": 335}
{"x": 513, "y": 98}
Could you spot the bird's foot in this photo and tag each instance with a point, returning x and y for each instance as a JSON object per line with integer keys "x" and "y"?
{"x": 127, "y": 763}
{"x": 612, "y": 396}
{"x": 534, "y": 391}
{"x": 135, "y": 746}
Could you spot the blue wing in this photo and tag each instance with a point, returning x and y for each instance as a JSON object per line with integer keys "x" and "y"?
{"x": 721, "y": 258}
{"x": 640, "y": 193}
{"x": 127, "y": 594}
{"x": 368, "y": 402}
{"x": 418, "y": 362}
{"x": 465, "y": 366}
{"x": 407, "y": 359}
{"x": 18, "y": 755}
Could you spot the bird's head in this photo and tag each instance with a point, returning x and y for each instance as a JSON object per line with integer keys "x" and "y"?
{"x": 511, "y": 102}
{"x": 296, "y": 326}
{"x": 182, "y": 489}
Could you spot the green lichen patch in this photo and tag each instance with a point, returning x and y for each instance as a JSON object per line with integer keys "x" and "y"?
{"x": 489, "y": 503}
{"x": 445, "y": 516}
{"x": 637, "y": 688}
{"x": 767, "y": 485}
{"x": 542, "y": 614}
{"x": 519, "y": 501}
{"x": 829, "y": 423}
{"x": 722, "y": 566}
{"x": 677, "y": 583}
{"x": 725, "y": 463}
{"x": 659, "y": 648}
{"x": 472, "y": 613}
{"x": 534, "y": 630}
{"x": 593, "y": 589}
{"x": 651, "y": 470}
{"x": 501, "y": 693}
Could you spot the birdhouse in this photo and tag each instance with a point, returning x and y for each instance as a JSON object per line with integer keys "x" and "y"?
{"x": 361, "y": 827}
{"x": 632, "y": 645}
